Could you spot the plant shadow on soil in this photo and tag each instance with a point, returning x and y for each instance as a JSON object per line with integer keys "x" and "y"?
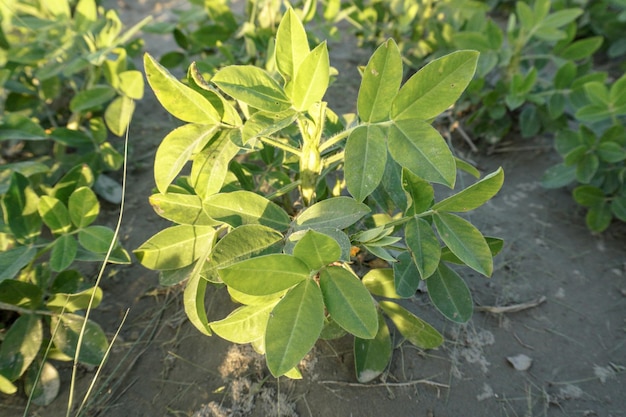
{"x": 575, "y": 337}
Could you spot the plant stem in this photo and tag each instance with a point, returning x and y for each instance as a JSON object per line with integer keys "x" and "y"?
{"x": 403, "y": 220}
{"x": 332, "y": 141}
{"x": 281, "y": 145}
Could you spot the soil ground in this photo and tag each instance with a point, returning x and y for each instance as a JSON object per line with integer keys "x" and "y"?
{"x": 567, "y": 288}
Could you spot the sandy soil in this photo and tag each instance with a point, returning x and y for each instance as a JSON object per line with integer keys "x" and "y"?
{"x": 565, "y": 290}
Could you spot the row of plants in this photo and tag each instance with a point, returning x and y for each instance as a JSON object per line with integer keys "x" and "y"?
{"x": 537, "y": 74}
{"x": 68, "y": 93}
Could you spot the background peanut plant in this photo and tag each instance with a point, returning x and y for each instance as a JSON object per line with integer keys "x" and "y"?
{"x": 280, "y": 190}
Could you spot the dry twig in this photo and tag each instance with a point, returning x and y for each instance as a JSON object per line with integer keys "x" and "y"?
{"x": 512, "y": 308}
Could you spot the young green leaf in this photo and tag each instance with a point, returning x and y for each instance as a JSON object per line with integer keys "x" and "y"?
{"x": 371, "y": 356}
{"x": 348, "y": 302}
{"x": 465, "y": 241}
{"x": 244, "y": 325}
{"x": 69, "y": 326}
{"x": 83, "y": 207}
{"x": 380, "y": 84}
{"x": 181, "y": 208}
{"x": 337, "y": 212}
{"x": 176, "y": 149}
{"x": 210, "y": 165}
{"x": 312, "y": 78}
{"x": 245, "y": 207}
{"x": 292, "y": 45}
{"x": 424, "y": 245}
{"x": 63, "y": 253}
{"x": 414, "y": 329}
{"x": 473, "y": 196}
{"x": 264, "y": 123}
{"x": 450, "y": 295}
{"x": 181, "y": 101}
{"x": 118, "y": 114}
{"x": 54, "y": 214}
{"x": 317, "y": 250}
{"x": 293, "y": 327}
{"x": 435, "y": 87}
{"x": 418, "y": 147}
{"x": 264, "y": 275}
{"x": 20, "y": 346}
{"x": 175, "y": 247}
{"x": 253, "y": 86}
{"x": 365, "y": 159}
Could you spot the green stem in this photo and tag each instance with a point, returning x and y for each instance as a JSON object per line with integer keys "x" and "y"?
{"x": 332, "y": 141}
{"x": 281, "y": 145}
{"x": 403, "y": 220}
{"x": 338, "y": 157}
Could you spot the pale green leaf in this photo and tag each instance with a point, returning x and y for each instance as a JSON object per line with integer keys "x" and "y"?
{"x": 118, "y": 115}
{"x": 465, "y": 241}
{"x": 264, "y": 275}
{"x": 473, "y": 196}
{"x": 337, "y": 212}
{"x": 292, "y": 45}
{"x": 419, "y": 147}
{"x": 60, "y": 302}
{"x": 365, "y": 159}
{"x": 20, "y": 346}
{"x": 83, "y": 207}
{"x": 317, "y": 250}
{"x": 176, "y": 149}
{"x": 348, "y": 302}
{"x": 312, "y": 78}
{"x": 181, "y": 208}
{"x": 244, "y": 325}
{"x": 435, "y": 87}
{"x": 294, "y": 326}
{"x": 178, "y": 99}
{"x": 380, "y": 282}
{"x": 245, "y": 207}
{"x": 414, "y": 329}
{"x": 193, "y": 300}
{"x": 210, "y": 165}
{"x": 424, "y": 245}
{"x": 54, "y": 214}
{"x": 380, "y": 84}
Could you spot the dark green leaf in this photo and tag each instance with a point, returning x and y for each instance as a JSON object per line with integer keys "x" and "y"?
{"x": 63, "y": 253}
{"x": 450, "y": 295}
{"x": 424, "y": 245}
{"x": 83, "y": 207}
{"x": 65, "y": 338}
{"x": 20, "y": 346}
{"x": 371, "y": 356}
{"x": 365, "y": 159}
{"x": 406, "y": 275}
{"x": 473, "y": 196}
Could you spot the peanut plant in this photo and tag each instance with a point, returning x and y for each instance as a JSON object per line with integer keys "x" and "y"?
{"x": 281, "y": 190}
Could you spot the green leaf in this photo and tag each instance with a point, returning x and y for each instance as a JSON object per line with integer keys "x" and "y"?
{"x": 424, "y": 245}
{"x": 77, "y": 177}
{"x": 241, "y": 243}
{"x": 418, "y": 147}
{"x": 495, "y": 246}
{"x": 371, "y": 356}
{"x": 21, "y": 294}
{"x": 245, "y": 207}
{"x": 380, "y": 282}
{"x": 13, "y": 260}
{"x": 264, "y": 275}
{"x": 435, "y": 87}
{"x": 414, "y": 329}
{"x": 210, "y": 166}
{"x": 131, "y": 84}
{"x": 6, "y": 387}
{"x": 599, "y": 217}
{"x": 587, "y": 168}
{"x": 337, "y": 212}
{"x": 252, "y": 85}
{"x": 618, "y": 208}
{"x": 558, "y": 176}
{"x": 20, "y": 206}
{"x": 337, "y": 235}
{"x": 61, "y": 302}
{"x": 582, "y": 48}
{"x": 68, "y": 327}
{"x": 244, "y": 325}
{"x": 42, "y": 383}
{"x": 181, "y": 208}
{"x": 348, "y": 302}
{"x": 419, "y": 193}
{"x": 312, "y": 78}
{"x": 118, "y": 114}
{"x": 473, "y": 196}
{"x": 560, "y": 18}
{"x": 181, "y": 101}
{"x": 96, "y": 239}
{"x": 54, "y": 214}
{"x": 317, "y": 250}
{"x": 63, "y": 253}
{"x": 193, "y": 300}
{"x": 365, "y": 159}
{"x": 176, "y": 149}
{"x": 611, "y": 152}
{"x": 92, "y": 98}
{"x": 406, "y": 275}
{"x": 589, "y": 196}
{"x": 83, "y": 207}
{"x": 175, "y": 247}
{"x": 450, "y": 295}
{"x": 525, "y": 15}
{"x": 20, "y": 346}
{"x": 465, "y": 241}
{"x": 565, "y": 75}
{"x": 264, "y": 123}
{"x": 380, "y": 83}
{"x": 292, "y": 45}
{"x": 293, "y": 327}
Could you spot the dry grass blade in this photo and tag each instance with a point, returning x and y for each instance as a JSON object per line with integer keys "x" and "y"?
{"x": 514, "y": 308}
